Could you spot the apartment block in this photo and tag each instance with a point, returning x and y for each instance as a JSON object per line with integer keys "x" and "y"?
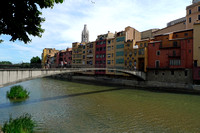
{"x": 170, "y": 57}
{"x": 47, "y": 53}
{"x": 100, "y": 53}
{"x": 64, "y": 58}
{"x": 192, "y": 14}
{"x": 110, "y": 52}
{"x": 78, "y": 60}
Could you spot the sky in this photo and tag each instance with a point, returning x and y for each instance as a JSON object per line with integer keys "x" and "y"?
{"x": 64, "y": 23}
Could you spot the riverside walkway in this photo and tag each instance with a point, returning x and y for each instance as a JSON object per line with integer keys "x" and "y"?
{"x": 12, "y": 76}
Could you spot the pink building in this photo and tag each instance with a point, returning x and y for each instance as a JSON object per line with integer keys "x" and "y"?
{"x": 64, "y": 58}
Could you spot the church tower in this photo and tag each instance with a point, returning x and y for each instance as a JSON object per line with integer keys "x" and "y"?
{"x": 85, "y": 35}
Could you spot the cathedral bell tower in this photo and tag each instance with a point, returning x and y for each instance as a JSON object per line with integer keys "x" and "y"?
{"x": 85, "y": 35}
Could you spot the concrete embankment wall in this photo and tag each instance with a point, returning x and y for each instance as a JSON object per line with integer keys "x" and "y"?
{"x": 134, "y": 83}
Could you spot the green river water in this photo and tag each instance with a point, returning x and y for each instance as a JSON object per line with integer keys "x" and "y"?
{"x": 68, "y": 107}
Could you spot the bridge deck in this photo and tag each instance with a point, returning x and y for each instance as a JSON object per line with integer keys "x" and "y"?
{"x": 11, "y": 76}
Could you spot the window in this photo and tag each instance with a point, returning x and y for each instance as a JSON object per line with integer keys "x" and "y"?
{"x": 112, "y": 54}
{"x": 135, "y": 52}
{"x": 186, "y": 72}
{"x": 108, "y": 55}
{"x": 141, "y": 51}
{"x": 130, "y": 63}
{"x": 157, "y": 64}
{"x": 172, "y": 72}
{"x": 120, "y": 39}
{"x": 108, "y": 48}
{"x": 174, "y": 53}
{"x": 195, "y": 63}
{"x": 158, "y": 52}
{"x": 190, "y": 20}
{"x": 120, "y": 61}
{"x": 121, "y": 53}
{"x": 109, "y": 41}
{"x": 175, "y": 44}
{"x": 141, "y": 45}
{"x": 174, "y": 62}
{"x": 97, "y": 56}
{"x": 190, "y": 51}
{"x": 108, "y": 61}
{"x": 186, "y": 34}
{"x": 190, "y": 11}
{"x": 130, "y": 54}
{"x": 199, "y": 17}
{"x": 120, "y": 46}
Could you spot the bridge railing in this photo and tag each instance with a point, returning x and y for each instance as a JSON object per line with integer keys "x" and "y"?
{"x": 39, "y": 66}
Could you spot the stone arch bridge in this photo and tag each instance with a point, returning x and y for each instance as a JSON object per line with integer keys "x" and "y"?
{"x": 12, "y": 76}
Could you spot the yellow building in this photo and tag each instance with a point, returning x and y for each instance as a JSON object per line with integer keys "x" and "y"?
{"x": 78, "y": 59}
{"x": 129, "y": 57}
{"x": 110, "y": 52}
{"x": 121, "y": 38}
{"x": 48, "y": 52}
{"x": 89, "y": 55}
{"x": 142, "y": 55}
{"x": 193, "y": 14}
{"x": 196, "y": 46}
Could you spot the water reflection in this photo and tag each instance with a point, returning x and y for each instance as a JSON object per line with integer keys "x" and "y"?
{"x": 17, "y": 103}
{"x": 60, "y": 106}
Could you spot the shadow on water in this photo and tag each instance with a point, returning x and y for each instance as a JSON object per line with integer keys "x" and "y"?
{"x": 7, "y": 105}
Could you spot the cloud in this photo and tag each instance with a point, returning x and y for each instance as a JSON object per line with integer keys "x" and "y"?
{"x": 64, "y": 23}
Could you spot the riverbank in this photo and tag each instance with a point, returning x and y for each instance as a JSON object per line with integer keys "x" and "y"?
{"x": 132, "y": 83}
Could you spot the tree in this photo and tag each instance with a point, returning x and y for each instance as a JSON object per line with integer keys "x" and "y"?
{"x": 35, "y": 62}
{"x": 21, "y": 18}
{"x": 5, "y": 63}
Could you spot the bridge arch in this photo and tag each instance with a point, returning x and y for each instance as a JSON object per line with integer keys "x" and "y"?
{"x": 12, "y": 76}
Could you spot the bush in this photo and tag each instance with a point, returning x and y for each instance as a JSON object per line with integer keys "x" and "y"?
{"x": 17, "y": 92}
{"x": 22, "y": 124}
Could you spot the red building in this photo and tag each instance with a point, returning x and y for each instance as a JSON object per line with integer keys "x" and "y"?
{"x": 64, "y": 58}
{"x": 100, "y": 55}
{"x": 174, "y": 50}
{"x": 170, "y": 57}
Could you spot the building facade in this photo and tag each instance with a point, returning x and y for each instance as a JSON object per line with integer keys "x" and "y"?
{"x": 110, "y": 52}
{"x": 64, "y": 58}
{"x": 89, "y": 56}
{"x": 77, "y": 54}
{"x": 192, "y": 14}
{"x": 47, "y": 53}
{"x": 100, "y": 53}
{"x": 170, "y": 57}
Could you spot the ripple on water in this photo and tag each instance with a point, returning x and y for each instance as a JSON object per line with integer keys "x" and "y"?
{"x": 60, "y": 106}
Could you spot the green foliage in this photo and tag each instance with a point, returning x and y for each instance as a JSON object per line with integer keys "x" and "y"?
{"x": 35, "y": 62}
{"x": 21, "y": 18}
{"x": 17, "y": 92}
{"x": 22, "y": 124}
{"x": 5, "y": 63}
{"x": 25, "y": 65}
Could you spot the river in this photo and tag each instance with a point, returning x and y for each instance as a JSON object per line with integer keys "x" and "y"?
{"x": 68, "y": 107}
